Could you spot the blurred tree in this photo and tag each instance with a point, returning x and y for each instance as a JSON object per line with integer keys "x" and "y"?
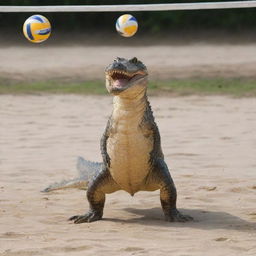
{"x": 157, "y": 22}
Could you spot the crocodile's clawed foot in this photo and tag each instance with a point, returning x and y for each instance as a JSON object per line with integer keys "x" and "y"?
{"x": 176, "y": 216}
{"x": 88, "y": 217}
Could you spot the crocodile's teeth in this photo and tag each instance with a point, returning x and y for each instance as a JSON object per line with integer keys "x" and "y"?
{"x": 126, "y": 75}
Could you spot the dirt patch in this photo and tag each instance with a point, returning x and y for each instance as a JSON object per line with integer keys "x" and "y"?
{"x": 80, "y": 63}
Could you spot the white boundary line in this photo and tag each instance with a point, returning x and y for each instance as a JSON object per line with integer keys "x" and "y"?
{"x": 129, "y": 8}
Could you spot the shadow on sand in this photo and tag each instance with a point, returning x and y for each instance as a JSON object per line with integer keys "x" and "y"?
{"x": 202, "y": 219}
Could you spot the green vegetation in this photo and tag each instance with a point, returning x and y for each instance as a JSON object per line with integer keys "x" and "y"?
{"x": 232, "y": 87}
{"x": 231, "y": 19}
{"x": 53, "y": 87}
{"x": 215, "y": 86}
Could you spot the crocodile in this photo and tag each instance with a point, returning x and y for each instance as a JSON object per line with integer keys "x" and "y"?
{"x": 133, "y": 159}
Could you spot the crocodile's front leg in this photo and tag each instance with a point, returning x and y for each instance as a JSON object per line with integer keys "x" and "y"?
{"x": 161, "y": 178}
{"x": 102, "y": 184}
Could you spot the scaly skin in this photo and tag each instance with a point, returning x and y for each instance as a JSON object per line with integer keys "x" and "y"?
{"x": 131, "y": 146}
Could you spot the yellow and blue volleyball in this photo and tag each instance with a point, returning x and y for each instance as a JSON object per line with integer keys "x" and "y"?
{"x": 37, "y": 28}
{"x": 126, "y": 25}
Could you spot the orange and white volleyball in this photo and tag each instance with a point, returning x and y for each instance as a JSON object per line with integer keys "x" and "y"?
{"x": 126, "y": 25}
{"x": 37, "y": 28}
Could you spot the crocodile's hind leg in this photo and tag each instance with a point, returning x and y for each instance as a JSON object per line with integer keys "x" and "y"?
{"x": 161, "y": 178}
{"x": 102, "y": 184}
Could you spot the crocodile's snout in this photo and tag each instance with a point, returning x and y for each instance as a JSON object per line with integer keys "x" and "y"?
{"x": 118, "y": 65}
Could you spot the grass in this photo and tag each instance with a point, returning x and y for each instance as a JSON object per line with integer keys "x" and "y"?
{"x": 53, "y": 87}
{"x": 217, "y": 86}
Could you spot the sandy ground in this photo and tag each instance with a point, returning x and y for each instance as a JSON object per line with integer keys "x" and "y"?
{"x": 79, "y": 63}
{"x": 209, "y": 144}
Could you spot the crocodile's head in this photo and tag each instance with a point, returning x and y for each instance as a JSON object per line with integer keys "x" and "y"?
{"x": 126, "y": 77}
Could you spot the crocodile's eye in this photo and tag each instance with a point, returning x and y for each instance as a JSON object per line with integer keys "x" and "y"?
{"x": 134, "y": 60}
{"x": 117, "y": 59}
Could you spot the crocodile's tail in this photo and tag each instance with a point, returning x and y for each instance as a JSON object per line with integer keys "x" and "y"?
{"x": 86, "y": 171}
{"x": 74, "y": 183}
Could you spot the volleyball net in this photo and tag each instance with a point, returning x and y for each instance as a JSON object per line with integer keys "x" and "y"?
{"x": 130, "y": 7}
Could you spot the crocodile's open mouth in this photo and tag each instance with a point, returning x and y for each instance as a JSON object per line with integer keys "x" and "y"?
{"x": 121, "y": 80}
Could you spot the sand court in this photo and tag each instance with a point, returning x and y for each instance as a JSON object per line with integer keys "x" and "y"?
{"x": 209, "y": 144}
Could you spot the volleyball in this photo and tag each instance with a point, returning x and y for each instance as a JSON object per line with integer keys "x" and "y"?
{"x": 126, "y": 25}
{"x": 37, "y": 28}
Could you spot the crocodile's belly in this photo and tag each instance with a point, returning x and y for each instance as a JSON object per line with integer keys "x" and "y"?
{"x": 129, "y": 154}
